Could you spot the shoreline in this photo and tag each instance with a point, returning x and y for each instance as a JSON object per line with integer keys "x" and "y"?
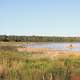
{"x": 49, "y": 53}
{"x": 43, "y": 49}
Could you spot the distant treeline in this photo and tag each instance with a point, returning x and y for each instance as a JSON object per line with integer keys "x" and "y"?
{"x": 11, "y": 38}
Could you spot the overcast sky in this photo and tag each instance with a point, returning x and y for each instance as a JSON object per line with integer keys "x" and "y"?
{"x": 40, "y": 17}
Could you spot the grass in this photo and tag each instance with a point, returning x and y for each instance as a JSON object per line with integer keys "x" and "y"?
{"x": 15, "y": 65}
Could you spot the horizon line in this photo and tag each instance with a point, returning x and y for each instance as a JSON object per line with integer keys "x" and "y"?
{"x": 41, "y": 35}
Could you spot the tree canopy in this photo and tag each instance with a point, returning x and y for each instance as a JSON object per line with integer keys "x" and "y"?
{"x": 10, "y": 38}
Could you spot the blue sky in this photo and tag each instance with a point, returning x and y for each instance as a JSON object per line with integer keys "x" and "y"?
{"x": 40, "y": 17}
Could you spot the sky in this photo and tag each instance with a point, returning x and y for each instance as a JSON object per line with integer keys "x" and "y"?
{"x": 40, "y": 17}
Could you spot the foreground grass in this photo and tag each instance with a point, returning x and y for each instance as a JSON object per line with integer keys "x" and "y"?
{"x": 15, "y": 65}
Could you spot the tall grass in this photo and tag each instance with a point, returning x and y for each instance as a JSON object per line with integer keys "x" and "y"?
{"x": 16, "y": 65}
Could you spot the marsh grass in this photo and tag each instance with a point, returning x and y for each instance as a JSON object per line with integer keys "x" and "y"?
{"x": 15, "y": 65}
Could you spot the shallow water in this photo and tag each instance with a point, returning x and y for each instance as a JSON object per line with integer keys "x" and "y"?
{"x": 56, "y": 46}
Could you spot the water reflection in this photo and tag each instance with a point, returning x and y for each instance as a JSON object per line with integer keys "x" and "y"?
{"x": 57, "y": 46}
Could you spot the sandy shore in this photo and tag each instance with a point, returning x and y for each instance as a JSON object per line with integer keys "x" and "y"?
{"x": 44, "y": 52}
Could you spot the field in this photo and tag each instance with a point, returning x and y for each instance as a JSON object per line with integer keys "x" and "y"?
{"x": 19, "y": 63}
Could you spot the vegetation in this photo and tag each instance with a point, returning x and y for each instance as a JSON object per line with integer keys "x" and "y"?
{"x": 6, "y": 38}
{"x": 15, "y": 65}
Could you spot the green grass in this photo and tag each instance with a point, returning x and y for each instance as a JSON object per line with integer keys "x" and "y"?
{"x": 16, "y": 65}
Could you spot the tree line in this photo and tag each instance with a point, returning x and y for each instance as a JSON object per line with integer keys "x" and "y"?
{"x": 14, "y": 38}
